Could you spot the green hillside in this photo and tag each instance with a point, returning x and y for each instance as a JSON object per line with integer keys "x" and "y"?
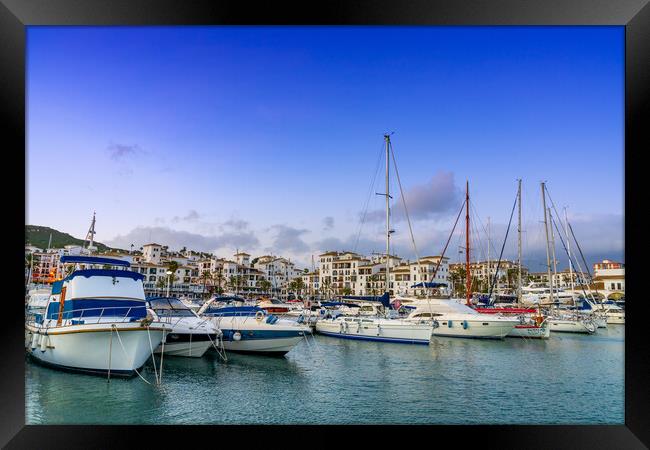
{"x": 39, "y": 236}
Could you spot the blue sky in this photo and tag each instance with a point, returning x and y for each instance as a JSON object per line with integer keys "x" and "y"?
{"x": 266, "y": 138}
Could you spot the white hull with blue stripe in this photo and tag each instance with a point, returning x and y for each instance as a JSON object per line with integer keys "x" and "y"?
{"x": 249, "y": 329}
{"x": 95, "y": 321}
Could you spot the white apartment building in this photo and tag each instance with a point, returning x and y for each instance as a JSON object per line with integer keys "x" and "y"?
{"x": 350, "y": 272}
{"x": 311, "y": 282}
{"x": 611, "y": 274}
{"x": 152, "y": 253}
{"x": 278, "y": 271}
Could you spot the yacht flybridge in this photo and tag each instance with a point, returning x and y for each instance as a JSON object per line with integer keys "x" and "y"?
{"x": 95, "y": 320}
{"x": 379, "y": 328}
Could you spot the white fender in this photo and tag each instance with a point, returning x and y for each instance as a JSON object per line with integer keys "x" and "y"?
{"x": 44, "y": 341}
{"x": 35, "y": 340}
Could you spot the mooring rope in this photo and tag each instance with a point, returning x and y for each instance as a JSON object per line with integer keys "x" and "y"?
{"x": 152, "y": 357}
{"x": 126, "y": 355}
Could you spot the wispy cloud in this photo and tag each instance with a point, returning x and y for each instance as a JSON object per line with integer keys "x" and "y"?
{"x": 328, "y": 223}
{"x": 288, "y": 239}
{"x": 177, "y": 239}
{"x": 191, "y": 216}
{"x": 424, "y": 201}
{"x": 119, "y": 152}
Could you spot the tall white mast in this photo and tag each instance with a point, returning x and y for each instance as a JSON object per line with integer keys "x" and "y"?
{"x": 387, "y": 139}
{"x": 550, "y": 218}
{"x": 548, "y": 255}
{"x": 488, "y": 253}
{"x": 568, "y": 247}
{"x": 519, "y": 243}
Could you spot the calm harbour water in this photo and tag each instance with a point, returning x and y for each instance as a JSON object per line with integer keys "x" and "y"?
{"x": 568, "y": 379}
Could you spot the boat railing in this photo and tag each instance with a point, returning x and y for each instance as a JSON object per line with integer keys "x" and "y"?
{"x": 104, "y": 313}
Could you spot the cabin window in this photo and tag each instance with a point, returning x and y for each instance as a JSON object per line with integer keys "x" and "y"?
{"x": 485, "y": 323}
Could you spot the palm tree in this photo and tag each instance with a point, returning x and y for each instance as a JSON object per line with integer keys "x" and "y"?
{"x": 458, "y": 276}
{"x": 205, "y": 276}
{"x": 234, "y": 283}
{"x": 161, "y": 283}
{"x": 373, "y": 279}
{"x": 298, "y": 285}
{"x": 327, "y": 283}
{"x": 219, "y": 278}
{"x": 264, "y": 285}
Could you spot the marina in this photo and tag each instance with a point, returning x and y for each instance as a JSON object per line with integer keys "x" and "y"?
{"x": 337, "y": 381}
{"x": 324, "y": 343}
{"x": 317, "y": 226}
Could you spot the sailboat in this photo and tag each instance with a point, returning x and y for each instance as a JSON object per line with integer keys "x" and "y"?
{"x": 378, "y": 328}
{"x": 561, "y": 322}
{"x": 532, "y": 324}
{"x": 454, "y": 318}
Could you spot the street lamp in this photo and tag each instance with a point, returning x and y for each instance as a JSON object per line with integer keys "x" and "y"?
{"x": 169, "y": 277}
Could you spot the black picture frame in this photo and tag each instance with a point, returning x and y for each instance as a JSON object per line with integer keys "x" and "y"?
{"x": 634, "y": 15}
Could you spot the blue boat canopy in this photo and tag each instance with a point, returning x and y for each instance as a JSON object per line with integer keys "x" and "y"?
{"x": 94, "y": 260}
{"x": 105, "y": 273}
{"x": 428, "y": 284}
{"x": 228, "y": 311}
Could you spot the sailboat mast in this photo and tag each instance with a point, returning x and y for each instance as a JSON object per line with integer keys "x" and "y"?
{"x": 519, "y": 242}
{"x": 568, "y": 247}
{"x": 550, "y": 218}
{"x": 468, "y": 275}
{"x": 90, "y": 236}
{"x": 387, "y": 139}
{"x": 548, "y": 255}
{"x": 489, "y": 272}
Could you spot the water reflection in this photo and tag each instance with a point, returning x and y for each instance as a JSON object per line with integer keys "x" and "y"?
{"x": 328, "y": 380}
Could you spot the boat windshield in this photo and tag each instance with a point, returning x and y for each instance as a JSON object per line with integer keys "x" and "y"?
{"x": 168, "y": 307}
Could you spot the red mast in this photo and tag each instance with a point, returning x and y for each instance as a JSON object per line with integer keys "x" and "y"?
{"x": 468, "y": 289}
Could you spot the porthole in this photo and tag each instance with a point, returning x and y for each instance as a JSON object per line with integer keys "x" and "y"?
{"x": 486, "y": 323}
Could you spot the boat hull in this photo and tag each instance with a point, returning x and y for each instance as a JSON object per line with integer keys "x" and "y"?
{"x": 385, "y": 332}
{"x": 571, "y": 326}
{"x": 88, "y": 348}
{"x": 191, "y": 348}
{"x": 475, "y": 329}
{"x": 249, "y": 335}
{"x": 530, "y": 332}
{"x": 276, "y": 346}
{"x": 616, "y": 318}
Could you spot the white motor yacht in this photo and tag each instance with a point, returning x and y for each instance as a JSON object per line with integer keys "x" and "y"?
{"x": 95, "y": 321}
{"x": 458, "y": 320}
{"x": 614, "y": 314}
{"x": 249, "y": 329}
{"x": 190, "y": 335}
{"x": 538, "y": 293}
